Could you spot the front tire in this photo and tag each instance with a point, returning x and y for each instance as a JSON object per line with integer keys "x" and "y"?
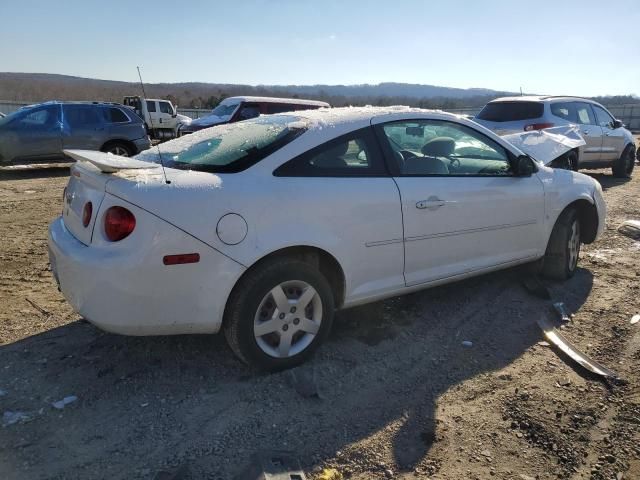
{"x": 561, "y": 258}
{"x": 623, "y": 167}
{"x": 279, "y": 314}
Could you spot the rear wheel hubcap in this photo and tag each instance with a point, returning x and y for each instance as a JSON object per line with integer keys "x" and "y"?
{"x": 288, "y": 319}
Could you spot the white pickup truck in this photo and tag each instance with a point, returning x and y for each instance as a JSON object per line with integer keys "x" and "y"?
{"x": 160, "y": 116}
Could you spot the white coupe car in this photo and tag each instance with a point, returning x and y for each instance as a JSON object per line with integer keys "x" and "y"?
{"x": 263, "y": 228}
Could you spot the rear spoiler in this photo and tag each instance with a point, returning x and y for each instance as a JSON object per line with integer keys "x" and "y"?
{"x": 107, "y": 162}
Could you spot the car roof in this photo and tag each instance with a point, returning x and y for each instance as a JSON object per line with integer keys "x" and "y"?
{"x": 292, "y": 101}
{"x": 342, "y": 115}
{"x": 541, "y": 98}
{"x": 74, "y": 102}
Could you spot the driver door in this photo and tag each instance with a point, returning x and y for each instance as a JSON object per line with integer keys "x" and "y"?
{"x": 35, "y": 136}
{"x": 463, "y": 209}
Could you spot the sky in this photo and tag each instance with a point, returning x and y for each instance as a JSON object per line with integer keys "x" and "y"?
{"x": 585, "y": 47}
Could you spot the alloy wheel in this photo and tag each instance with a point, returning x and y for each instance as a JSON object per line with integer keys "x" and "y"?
{"x": 574, "y": 245}
{"x": 288, "y": 319}
{"x": 118, "y": 150}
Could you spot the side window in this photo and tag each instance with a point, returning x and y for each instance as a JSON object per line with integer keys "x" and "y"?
{"x": 249, "y": 111}
{"x": 115, "y": 115}
{"x": 151, "y": 106}
{"x": 603, "y": 118}
{"x": 564, "y": 110}
{"x": 436, "y": 147}
{"x": 279, "y": 108}
{"x": 584, "y": 114}
{"x": 80, "y": 116}
{"x": 354, "y": 154}
{"x": 165, "y": 107}
{"x": 43, "y": 117}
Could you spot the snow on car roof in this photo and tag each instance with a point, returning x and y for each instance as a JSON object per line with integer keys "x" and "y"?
{"x": 292, "y": 101}
{"x": 342, "y": 115}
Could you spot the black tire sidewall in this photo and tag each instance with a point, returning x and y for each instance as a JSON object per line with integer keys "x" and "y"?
{"x": 248, "y": 300}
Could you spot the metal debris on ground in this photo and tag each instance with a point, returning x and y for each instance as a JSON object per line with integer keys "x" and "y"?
{"x": 564, "y": 316}
{"x": 635, "y": 319}
{"x": 467, "y": 343}
{"x": 60, "y": 404}
{"x": 273, "y": 465}
{"x": 630, "y": 228}
{"x": 330, "y": 474}
{"x": 9, "y": 418}
{"x": 556, "y": 338}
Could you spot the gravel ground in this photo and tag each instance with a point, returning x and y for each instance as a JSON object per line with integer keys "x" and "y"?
{"x": 393, "y": 394}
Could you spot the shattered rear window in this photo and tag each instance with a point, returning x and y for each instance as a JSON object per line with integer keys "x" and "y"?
{"x": 511, "y": 111}
{"x": 228, "y": 148}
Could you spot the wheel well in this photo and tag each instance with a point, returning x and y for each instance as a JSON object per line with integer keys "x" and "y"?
{"x": 130, "y": 145}
{"x": 324, "y": 261}
{"x": 588, "y": 216}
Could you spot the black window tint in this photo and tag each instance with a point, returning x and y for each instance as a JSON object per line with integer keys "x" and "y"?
{"x": 354, "y": 154}
{"x": 603, "y": 118}
{"x": 511, "y": 111}
{"x": 563, "y": 110}
{"x": 81, "y": 116}
{"x": 249, "y": 111}
{"x": 584, "y": 114}
{"x": 115, "y": 115}
{"x": 279, "y": 108}
{"x": 165, "y": 107}
{"x": 151, "y": 106}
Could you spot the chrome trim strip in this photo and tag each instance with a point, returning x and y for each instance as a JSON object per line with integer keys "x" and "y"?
{"x": 378, "y": 243}
{"x": 471, "y": 230}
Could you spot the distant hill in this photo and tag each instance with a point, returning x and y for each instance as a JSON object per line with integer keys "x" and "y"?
{"x": 39, "y": 87}
{"x": 45, "y": 86}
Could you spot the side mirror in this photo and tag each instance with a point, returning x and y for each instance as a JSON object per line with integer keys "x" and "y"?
{"x": 524, "y": 166}
{"x": 617, "y": 124}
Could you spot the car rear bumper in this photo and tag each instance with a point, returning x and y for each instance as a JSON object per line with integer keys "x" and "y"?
{"x": 134, "y": 293}
{"x": 142, "y": 144}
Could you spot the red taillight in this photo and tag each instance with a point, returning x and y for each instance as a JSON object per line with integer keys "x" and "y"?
{"x": 86, "y": 214}
{"x": 118, "y": 223}
{"x": 537, "y": 126}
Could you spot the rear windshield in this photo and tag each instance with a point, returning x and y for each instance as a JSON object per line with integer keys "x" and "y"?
{"x": 511, "y": 111}
{"x": 227, "y": 148}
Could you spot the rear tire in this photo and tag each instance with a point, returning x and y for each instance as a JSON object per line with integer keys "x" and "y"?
{"x": 623, "y": 167}
{"x": 561, "y": 258}
{"x": 279, "y": 314}
{"x": 118, "y": 148}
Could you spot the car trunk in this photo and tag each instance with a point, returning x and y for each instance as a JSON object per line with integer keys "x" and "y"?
{"x": 86, "y": 185}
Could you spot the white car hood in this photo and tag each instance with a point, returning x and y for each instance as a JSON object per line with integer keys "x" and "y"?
{"x": 548, "y": 144}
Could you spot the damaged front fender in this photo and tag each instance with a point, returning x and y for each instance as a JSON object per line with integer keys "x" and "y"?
{"x": 547, "y": 145}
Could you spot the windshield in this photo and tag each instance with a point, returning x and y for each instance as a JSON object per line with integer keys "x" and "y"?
{"x": 225, "y": 110}
{"x": 13, "y": 115}
{"x": 228, "y": 148}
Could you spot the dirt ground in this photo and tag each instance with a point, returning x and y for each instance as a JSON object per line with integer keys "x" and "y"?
{"x": 398, "y": 394}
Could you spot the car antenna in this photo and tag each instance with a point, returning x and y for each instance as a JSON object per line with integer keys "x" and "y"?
{"x": 144, "y": 95}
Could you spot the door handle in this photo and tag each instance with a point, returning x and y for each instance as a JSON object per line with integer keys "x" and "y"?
{"x": 431, "y": 203}
{"x": 586, "y": 132}
{"x": 607, "y": 134}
